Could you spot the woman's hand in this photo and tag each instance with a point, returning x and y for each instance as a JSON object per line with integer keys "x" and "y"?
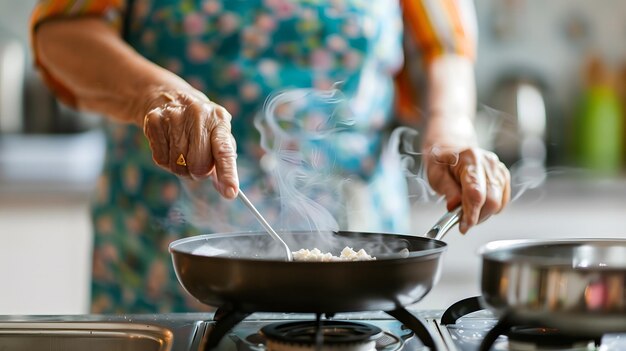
{"x": 471, "y": 177}
{"x": 190, "y": 136}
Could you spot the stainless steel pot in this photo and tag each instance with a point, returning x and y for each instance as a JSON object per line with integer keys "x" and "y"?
{"x": 578, "y": 286}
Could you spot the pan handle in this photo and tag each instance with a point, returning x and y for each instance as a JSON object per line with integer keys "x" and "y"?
{"x": 443, "y": 225}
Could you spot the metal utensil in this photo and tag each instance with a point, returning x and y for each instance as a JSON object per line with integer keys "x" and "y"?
{"x": 443, "y": 225}
{"x": 265, "y": 225}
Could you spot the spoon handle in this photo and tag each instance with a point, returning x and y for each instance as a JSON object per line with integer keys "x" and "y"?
{"x": 264, "y": 223}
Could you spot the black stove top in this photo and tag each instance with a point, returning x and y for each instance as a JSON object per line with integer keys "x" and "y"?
{"x": 466, "y": 330}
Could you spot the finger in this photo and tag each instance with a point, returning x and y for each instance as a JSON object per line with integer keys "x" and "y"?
{"x": 495, "y": 182}
{"x": 442, "y": 156}
{"x": 223, "y": 150}
{"x": 443, "y": 182}
{"x": 199, "y": 157}
{"x": 471, "y": 175}
{"x": 157, "y": 137}
{"x": 179, "y": 142}
{"x": 506, "y": 175}
{"x": 493, "y": 198}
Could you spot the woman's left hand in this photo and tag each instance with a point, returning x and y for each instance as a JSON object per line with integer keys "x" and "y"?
{"x": 471, "y": 177}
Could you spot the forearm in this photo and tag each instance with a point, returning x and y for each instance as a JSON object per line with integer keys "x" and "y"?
{"x": 451, "y": 102}
{"x": 104, "y": 73}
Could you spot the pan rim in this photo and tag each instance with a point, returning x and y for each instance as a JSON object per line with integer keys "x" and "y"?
{"x": 493, "y": 250}
{"x": 441, "y": 247}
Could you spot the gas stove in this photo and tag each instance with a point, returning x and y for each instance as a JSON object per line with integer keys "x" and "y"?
{"x": 466, "y": 334}
{"x": 460, "y": 328}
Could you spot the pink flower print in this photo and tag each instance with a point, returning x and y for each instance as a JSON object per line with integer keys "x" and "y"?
{"x": 133, "y": 225}
{"x": 336, "y": 43}
{"x": 102, "y": 189}
{"x": 249, "y": 91}
{"x": 265, "y": 22}
{"x": 211, "y": 7}
{"x": 227, "y": 23}
{"x": 255, "y": 38}
{"x": 284, "y": 112}
{"x": 196, "y": 82}
{"x": 101, "y": 304}
{"x": 282, "y": 8}
{"x": 233, "y": 72}
{"x": 194, "y": 24}
{"x": 268, "y": 68}
{"x": 142, "y": 9}
{"x": 198, "y": 52}
{"x": 109, "y": 253}
{"x": 148, "y": 38}
{"x": 308, "y": 14}
{"x": 169, "y": 192}
{"x": 314, "y": 123}
{"x": 323, "y": 83}
{"x": 156, "y": 279}
{"x": 104, "y": 224}
{"x": 101, "y": 258}
{"x": 338, "y": 5}
{"x": 321, "y": 59}
{"x": 352, "y": 60}
{"x": 131, "y": 178}
{"x": 351, "y": 28}
{"x": 174, "y": 66}
{"x": 231, "y": 106}
{"x": 368, "y": 164}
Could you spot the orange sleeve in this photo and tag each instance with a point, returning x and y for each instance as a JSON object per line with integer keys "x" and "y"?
{"x": 45, "y": 10}
{"x": 441, "y": 26}
{"x": 435, "y": 27}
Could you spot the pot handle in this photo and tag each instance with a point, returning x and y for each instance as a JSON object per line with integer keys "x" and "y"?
{"x": 443, "y": 225}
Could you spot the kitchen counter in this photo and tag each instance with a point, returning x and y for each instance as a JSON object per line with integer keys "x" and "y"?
{"x": 179, "y": 332}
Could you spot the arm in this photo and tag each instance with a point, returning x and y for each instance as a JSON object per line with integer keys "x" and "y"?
{"x": 456, "y": 167}
{"x": 106, "y": 75}
{"x": 444, "y": 32}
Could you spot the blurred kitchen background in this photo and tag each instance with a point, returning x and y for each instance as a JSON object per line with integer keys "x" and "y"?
{"x": 551, "y": 89}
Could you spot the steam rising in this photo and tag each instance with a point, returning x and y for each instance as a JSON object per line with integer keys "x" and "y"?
{"x": 299, "y": 133}
{"x": 296, "y": 128}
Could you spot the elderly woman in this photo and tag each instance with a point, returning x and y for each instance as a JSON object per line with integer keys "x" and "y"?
{"x": 181, "y": 81}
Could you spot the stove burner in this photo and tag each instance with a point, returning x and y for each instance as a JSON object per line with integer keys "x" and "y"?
{"x": 226, "y": 318}
{"x": 336, "y": 335}
{"x": 534, "y": 338}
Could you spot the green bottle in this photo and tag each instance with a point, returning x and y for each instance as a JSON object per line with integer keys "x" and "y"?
{"x": 599, "y": 127}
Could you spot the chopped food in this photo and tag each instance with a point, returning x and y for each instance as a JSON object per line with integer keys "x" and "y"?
{"x": 347, "y": 254}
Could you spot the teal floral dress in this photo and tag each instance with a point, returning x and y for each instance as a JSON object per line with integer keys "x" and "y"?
{"x": 309, "y": 85}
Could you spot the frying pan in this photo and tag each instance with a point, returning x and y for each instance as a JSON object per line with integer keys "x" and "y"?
{"x": 247, "y": 272}
{"x": 577, "y": 285}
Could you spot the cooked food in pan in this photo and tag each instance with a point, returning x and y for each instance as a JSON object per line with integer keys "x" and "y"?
{"x": 315, "y": 255}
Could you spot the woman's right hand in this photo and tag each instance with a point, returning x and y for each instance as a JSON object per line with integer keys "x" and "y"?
{"x": 190, "y": 136}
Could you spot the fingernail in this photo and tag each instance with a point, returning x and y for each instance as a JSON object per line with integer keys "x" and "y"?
{"x": 231, "y": 193}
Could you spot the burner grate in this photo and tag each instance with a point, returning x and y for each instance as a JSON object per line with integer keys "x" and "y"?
{"x": 307, "y": 335}
{"x": 337, "y": 336}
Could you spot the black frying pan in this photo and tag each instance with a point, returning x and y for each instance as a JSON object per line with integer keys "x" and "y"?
{"x": 247, "y": 271}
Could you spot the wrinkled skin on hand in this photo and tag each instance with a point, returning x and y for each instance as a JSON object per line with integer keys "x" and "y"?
{"x": 471, "y": 177}
{"x": 185, "y": 122}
